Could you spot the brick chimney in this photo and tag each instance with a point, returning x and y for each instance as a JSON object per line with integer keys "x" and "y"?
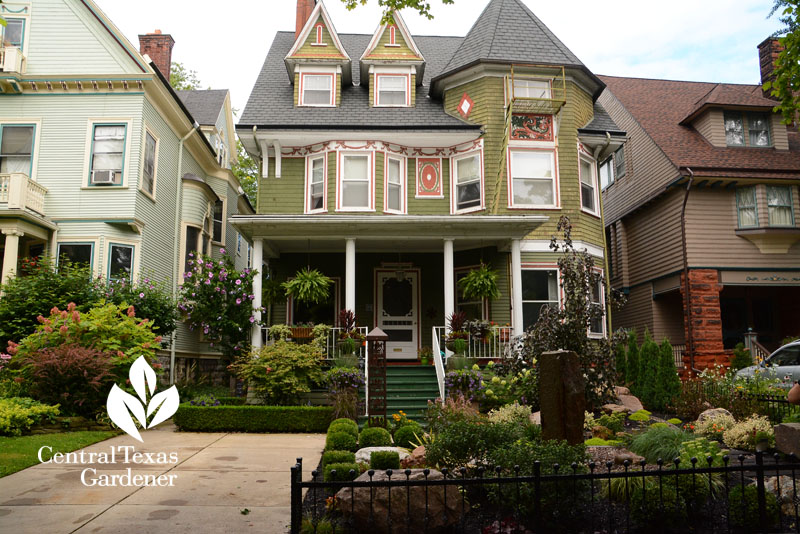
{"x": 304, "y": 9}
{"x": 768, "y": 52}
{"x": 158, "y": 46}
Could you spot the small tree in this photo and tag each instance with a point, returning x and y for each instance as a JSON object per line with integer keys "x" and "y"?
{"x": 622, "y": 361}
{"x": 649, "y": 358}
{"x": 183, "y": 79}
{"x": 669, "y": 384}
{"x": 217, "y": 300}
{"x": 567, "y": 327}
{"x": 632, "y": 364}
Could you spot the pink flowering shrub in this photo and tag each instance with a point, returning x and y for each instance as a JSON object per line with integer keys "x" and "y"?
{"x": 218, "y": 300}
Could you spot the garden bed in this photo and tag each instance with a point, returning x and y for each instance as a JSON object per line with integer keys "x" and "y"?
{"x": 252, "y": 418}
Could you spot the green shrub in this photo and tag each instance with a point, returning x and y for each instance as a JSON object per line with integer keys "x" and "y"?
{"x": 405, "y": 435}
{"x": 382, "y": 460}
{"x": 319, "y": 526}
{"x": 674, "y": 421}
{"x": 743, "y": 504}
{"x": 374, "y": 437}
{"x": 341, "y": 441}
{"x": 595, "y": 442}
{"x": 461, "y": 442}
{"x": 621, "y": 361}
{"x": 17, "y": 414}
{"x": 510, "y": 413}
{"x": 668, "y": 384}
{"x": 232, "y": 401}
{"x": 641, "y": 416}
{"x": 252, "y": 418}
{"x": 345, "y": 421}
{"x": 743, "y": 434}
{"x": 340, "y": 427}
{"x": 632, "y": 363}
{"x": 659, "y": 442}
{"x": 649, "y": 357}
{"x": 614, "y": 422}
{"x": 151, "y": 300}
{"x": 659, "y": 425}
{"x": 345, "y": 472}
{"x": 281, "y": 372}
{"x": 338, "y": 457}
{"x": 665, "y": 507}
{"x": 792, "y": 417}
{"x": 741, "y": 357}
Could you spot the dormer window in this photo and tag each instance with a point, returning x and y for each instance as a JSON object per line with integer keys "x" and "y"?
{"x": 316, "y": 89}
{"x": 757, "y": 133}
{"x": 392, "y": 90}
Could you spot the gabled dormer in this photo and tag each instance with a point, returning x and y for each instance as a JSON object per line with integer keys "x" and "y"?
{"x": 317, "y": 63}
{"x": 392, "y": 65}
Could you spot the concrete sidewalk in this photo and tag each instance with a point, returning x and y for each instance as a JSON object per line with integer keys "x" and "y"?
{"x": 217, "y": 477}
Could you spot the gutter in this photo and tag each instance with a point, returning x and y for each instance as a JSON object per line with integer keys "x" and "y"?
{"x": 598, "y": 151}
{"x": 686, "y": 285}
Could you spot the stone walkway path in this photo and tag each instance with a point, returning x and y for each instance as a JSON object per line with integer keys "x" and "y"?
{"x": 217, "y": 478}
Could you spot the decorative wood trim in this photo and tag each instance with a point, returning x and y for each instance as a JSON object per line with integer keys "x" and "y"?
{"x": 436, "y": 190}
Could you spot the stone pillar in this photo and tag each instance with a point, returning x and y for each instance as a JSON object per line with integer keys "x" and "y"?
{"x": 11, "y": 254}
{"x": 562, "y": 396}
{"x": 705, "y": 341}
{"x": 350, "y": 275}
{"x": 449, "y": 281}
{"x": 516, "y": 288}
{"x": 258, "y": 260}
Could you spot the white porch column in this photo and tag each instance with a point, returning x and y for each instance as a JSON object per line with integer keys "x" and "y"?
{"x": 11, "y": 254}
{"x": 350, "y": 274}
{"x": 258, "y": 255}
{"x": 516, "y": 288}
{"x": 449, "y": 280}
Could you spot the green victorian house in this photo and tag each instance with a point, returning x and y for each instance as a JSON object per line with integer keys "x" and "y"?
{"x": 396, "y": 164}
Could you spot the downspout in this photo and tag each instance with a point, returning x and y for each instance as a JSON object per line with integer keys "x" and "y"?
{"x": 686, "y": 285}
{"x": 176, "y": 245}
{"x": 597, "y": 153}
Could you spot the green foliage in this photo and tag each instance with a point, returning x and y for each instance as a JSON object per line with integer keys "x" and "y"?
{"x": 614, "y": 422}
{"x": 479, "y": 284}
{"x": 640, "y": 416}
{"x": 674, "y": 421}
{"x": 151, "y": 300}
{"x": 246, "y": 170}
{"x": 382, "y": 460}
{"x": 183, "y": 79}
{"x": 741, "y": 357}
{"x": 744, "y": 434}
{"x": 341, "y": 427}
{"x": 232, "y": 401}
{"x": 38, "y": 288}
{"x": 511, "y": 413}
{"x": 346, "y": 421}
{"x": 786, "y": 86}
{"x": 343, "y": 384}
{"x": 659, "y": 442}
{"x": 406, "y": 435}
{"x": 216, "y": 299}
{"x": 622, "y": 362}
{"x": 665, "y": 508}
{"x": 792, "y": 417}
{"x": 340, "y": 441}
{"x": 632, "y": 365}
{"x": 668, "y": 385}
{"x": 338, "y": 457}
{"x": 374, "y": 437}
{"x": 423, "y": 7}
{"x": 441, "y": 414}
{"x": 308, "y": 285}
{"x": 252, "y": 418}
{"x": 462, "y": 442}
{"x": 317, "y": 526}
{"x": 743, "y": 502}
{"x": 18, "y": 414}
{"x": 344, "y": 472}
{"x": 595, "y": 442}
{"x": 646, "y": 386}
{"x": 279, "y": 373}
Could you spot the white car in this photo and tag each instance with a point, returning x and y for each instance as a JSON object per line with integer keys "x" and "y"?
{"x": 783, "y": 363}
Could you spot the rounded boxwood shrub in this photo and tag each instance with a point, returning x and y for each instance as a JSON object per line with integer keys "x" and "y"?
{"x": 382, "y": 460}
{"x": 343, "y": 472}
{"x": 345, "y": 421}
{"x": 341, "y": 427}
{"x": 338, "y": 457}
{"x": 340, "y": 441}
{"x": 404, "y": 435}
{"x": 374, "y": 437}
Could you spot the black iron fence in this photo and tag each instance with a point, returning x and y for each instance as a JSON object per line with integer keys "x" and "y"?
{"x": 745, "y": 494}
{"x": 775, "y": 407}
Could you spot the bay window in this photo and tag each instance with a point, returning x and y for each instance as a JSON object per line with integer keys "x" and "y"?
{"x": 606, "y": 173}
{"x": 120, "y": 262}
{"x": 779, "y": 205}
{"x": 533, "y": 182}
{"x": 467, "y": 180}
{"x": 149, "y": 170}
{"x": 746, "y": 207}
{"x": 526, "y": 88}
{"x": 588, "y": 187}
{"x": 597, "y": 324}
{"x": 76, "y": 253}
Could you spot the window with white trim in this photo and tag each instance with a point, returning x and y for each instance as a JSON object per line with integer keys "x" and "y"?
{"x": 527, "y": 88}
{"x": 597, "y": 324}
{"x": 746, "y": 208}
{"x": 76, "y": 253}
{"x": 191, "y": 246}
{"x": 533, "y": 178}
{"x": 747, "y": 129}
{"x": 317, "y": 90}
{"x": 391, "y": 90}
{"x": 16, "y": 148}
{"x": 588, "y": 186}
{"x": 395, "y": 185}
{"x": 539, "y": 289}
{"x": 149, "y": 168}
{"x": 218, "y": 220}
{"x": 316, "y": 184}
{"x": 14, "y": 33}
{"x": 356, "y": 182}
{"x": 108, "y": 154}
{"x": 120, "y": 262}
{"x": 779, "y": 205}
{"x": 467, "y": 180}
{"x": 606, "y": 171}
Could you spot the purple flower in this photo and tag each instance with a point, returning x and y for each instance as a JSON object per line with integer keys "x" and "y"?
{"x": 222, "y": 251}
{"x": 141, "y": 295}
{"x": 238, "y": 301}
{"x": 238, "y": 282}
{"x": 252, "y": 319}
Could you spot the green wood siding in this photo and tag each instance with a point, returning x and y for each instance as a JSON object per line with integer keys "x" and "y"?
{"x": 285, "y": 194}
{"x": 307, "y": 50}
{"x": 401, "y": 51}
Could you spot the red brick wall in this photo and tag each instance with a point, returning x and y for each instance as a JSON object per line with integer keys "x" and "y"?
{"x": 304, "y": 9}
{"x": 159, "y": 47}
{"x": 706, "y": 318}
{"x": 768, "y": 52}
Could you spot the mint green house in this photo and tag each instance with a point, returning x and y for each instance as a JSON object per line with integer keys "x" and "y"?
{"x": 101, "y": 161}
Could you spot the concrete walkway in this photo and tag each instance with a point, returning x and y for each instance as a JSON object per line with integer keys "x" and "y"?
{"x": 218, "y": 476}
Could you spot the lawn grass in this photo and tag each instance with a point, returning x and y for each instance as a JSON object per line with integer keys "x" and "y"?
{"x": 17, "y": 453}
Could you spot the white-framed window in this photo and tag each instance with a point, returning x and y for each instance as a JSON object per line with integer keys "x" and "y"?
{"x": 392, "y": 90}
{"x": 107, "y": 160}
{"x": 149, "y": 164}
{"x": 316, "y": 180}
{"x": 317, "y": 89}
{"x": 589, "y": 199}
{"x": 394, "y": 197}
{"x": 746, "y": 207}
{"x": 533, "y": 178}
{"x": 14, "y": 33}
{"x": 355, "y": 181}
{"x": 531, "y": 88}
{"x": 467, "y": 182}
{"x": 77, "y": 253}
{"x": 606, "y": 171}
{"x": 747, "y": 129}
{"x": 191, "y": 245}
{"x": 120, "y": 261}
{"x": 16, "y": 148}
{"x": 218, "y": 222}
{"x": 540, "y": 288}
{"x": 597, "y": 326}
{"x": 780, "y": 207}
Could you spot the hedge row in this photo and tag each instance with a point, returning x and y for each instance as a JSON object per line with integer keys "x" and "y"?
{"x": 232, "y": 401}
{"x": 253, "y": 418}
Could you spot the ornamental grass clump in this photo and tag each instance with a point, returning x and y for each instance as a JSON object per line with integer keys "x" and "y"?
{"x": 659, "y": 442}
{"x": 343, "y": 384}
{"x": 746, "y": 434}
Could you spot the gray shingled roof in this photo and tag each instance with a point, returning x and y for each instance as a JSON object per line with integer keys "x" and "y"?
{"x": 601, "y": 122}
{"x": 204, "y": 104}
{"x": 271, "y": 103}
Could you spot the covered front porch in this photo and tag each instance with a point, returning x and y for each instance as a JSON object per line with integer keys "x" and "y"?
{"x": 396, "y": 273}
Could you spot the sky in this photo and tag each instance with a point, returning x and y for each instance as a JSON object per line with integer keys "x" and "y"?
{"x": 699, "y": 40}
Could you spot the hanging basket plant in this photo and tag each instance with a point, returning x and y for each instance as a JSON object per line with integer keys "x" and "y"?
{"x": 309, "y": 286}
{"x": 272, "y": 291}
{"x": 480, "y": 283}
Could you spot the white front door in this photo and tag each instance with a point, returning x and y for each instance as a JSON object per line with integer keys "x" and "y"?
{"x": 398, "y": 312}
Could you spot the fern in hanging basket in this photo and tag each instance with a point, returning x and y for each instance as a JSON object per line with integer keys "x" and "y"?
{"x": 309, "y": 286}
{"x": 479, "y": 284}
{"x": 272, "y": 291}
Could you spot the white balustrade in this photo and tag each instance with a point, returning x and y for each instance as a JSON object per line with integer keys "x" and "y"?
{"x": 18, "y": 191}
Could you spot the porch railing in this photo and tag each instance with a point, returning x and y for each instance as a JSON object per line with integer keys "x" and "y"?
{"x": 493, "y": 346}
{"x": 331, "y": 346}
{"x": 17, "y": 191}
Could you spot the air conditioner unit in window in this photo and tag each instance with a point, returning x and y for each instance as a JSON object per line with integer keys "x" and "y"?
{"x": 103, "y": 177}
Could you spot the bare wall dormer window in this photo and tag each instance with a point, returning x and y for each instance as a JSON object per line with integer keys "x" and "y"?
{"x": 317, "y": 89}
{"x": 747, "y": 129}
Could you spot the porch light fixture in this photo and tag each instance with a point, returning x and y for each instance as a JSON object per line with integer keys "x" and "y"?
{"x": 400, "y": 275}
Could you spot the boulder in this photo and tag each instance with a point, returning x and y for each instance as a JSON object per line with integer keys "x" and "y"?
{"x": 787, "y": 438}
{"x": 615, "y": 408}
{"x": 408, "y": 507}
{"x": 783, "y": 492}
{"x": 363, "y": 455}
{"x": 712, "y": 413}
{"x": 624, "y": 454}
{"x": 621, "y": 390}
{"x": 415, "y": 459}
{"x": 630, "y": 402}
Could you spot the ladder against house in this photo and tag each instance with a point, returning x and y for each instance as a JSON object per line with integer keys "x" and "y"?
{"x": 409, "y": 388}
